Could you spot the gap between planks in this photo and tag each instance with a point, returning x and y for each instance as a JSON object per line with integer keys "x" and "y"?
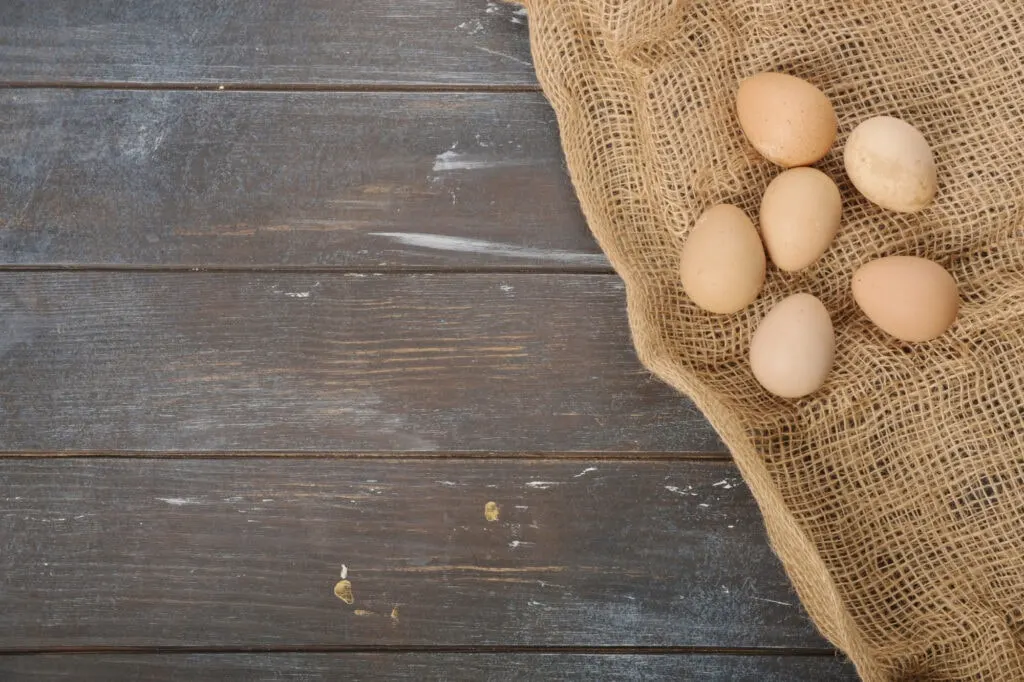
{"x": 412, "y": 455}
{"x": 310, "y": 270}
{"x": 273, "y": 87}
{"x": 440, "y": 649}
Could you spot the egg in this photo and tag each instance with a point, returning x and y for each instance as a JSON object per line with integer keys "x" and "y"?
{"x": 800, "y": 214}
{"x": 722, "y": 264}
{"x": 889, "y": 162}
{"x": 792, "y": 350}
{"x": 787, "y": 120}
{"x": 913, "y": 299}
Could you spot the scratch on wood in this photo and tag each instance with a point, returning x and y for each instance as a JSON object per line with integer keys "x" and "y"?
{"x": 541, "y": 485}
{"x": 585, "y": 472}
{"x": 772, "y": 601}
{"x": 241, "y": 230}
{"x": 178, "y": 501}
{"x": 452, "y": 160}
{"x": 477, "y": 569}
{"x": 506, "y": 56}
{"x": 440, "y": 242}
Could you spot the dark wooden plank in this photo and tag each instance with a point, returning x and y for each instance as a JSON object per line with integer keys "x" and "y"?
{"x": 272, "y": 42}
{"x": 246, "y": 552}
{"x": 427, "y": 666}
{"x": 352, "y": 180}
{"x": 187, "y": 361}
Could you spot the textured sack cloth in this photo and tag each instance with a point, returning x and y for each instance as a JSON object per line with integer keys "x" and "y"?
{"x": 895, "y": 495}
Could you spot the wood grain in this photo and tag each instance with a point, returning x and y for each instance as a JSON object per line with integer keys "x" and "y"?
{"x": 204, "y": 362}
{"x": 426, "y": 667}
{"x": 270, "y": 179}
{"x": 320, "y": 42}
{"x": 246, "y": 552}
{"x": 329, "y": 136}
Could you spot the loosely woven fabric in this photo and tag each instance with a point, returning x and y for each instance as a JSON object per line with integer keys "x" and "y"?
{"x": 895, "y": 495}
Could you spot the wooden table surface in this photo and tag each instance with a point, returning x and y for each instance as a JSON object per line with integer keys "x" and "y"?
{"x": 292, "y": 288}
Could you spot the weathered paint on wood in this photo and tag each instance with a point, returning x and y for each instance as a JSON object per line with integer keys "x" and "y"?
{"x": 425, "y": 667}
{"x": 328, "y": 43}
{"x": 270, "y": 179}
{"x": 244, "y": 552}
{"x": 198, "y": 362}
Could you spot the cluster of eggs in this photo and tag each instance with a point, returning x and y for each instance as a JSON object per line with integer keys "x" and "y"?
{"x": 722, "y": 266}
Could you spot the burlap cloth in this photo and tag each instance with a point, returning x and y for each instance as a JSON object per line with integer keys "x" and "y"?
{"x": 895, "y": 495}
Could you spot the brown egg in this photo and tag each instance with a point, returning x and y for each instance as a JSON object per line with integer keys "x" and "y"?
{"x": 800, "y": 214}
{"x": 891, "y": 164}
{"x": 788, "y": 120}
{"x": 722, "y": 264}
{"x": 913, "y": 299}
{"x": 792, "y": 351}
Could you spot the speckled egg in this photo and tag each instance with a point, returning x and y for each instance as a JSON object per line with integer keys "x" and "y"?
{"x": 787, "y": 120}
{"x": 889, "y": 162}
